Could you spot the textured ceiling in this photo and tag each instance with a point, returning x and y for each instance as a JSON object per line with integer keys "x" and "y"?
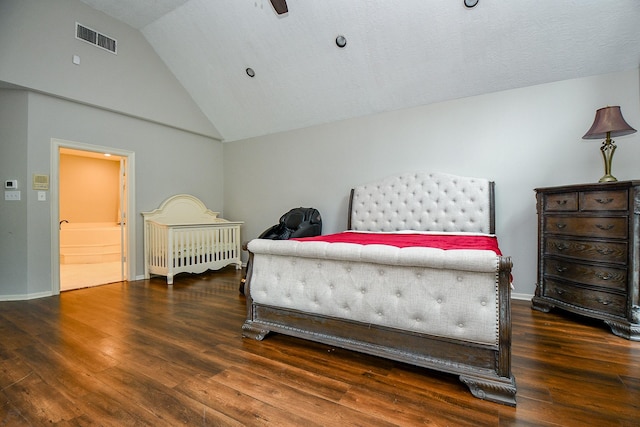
{"x": 399, "y": 54}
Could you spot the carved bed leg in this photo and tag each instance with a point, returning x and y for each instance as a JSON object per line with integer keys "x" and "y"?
{"x": 249, "y": 331}
{"x": 500, "y": 391}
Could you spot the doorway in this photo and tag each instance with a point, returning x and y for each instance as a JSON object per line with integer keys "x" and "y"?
{"x": 91, "y": 194}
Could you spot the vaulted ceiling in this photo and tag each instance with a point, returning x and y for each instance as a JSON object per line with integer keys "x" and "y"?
{"x": 399, "y": 53}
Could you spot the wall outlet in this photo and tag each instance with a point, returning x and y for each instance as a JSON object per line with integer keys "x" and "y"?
{"x": 42, "y": 196}
{"x": 12, "y": 195}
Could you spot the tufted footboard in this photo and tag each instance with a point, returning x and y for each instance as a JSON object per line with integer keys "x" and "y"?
{"x": 447, "y": 310}
{"x": 437, "y": 309}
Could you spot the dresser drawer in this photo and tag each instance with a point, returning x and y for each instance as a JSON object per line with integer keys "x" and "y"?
{"x": 561, "y": 202}
{"x": 586, "y": 250}
{"x": 606, "y": 226}
{"x": 614, "y": 200}
{"x": 605, "y": 277}
{"x": 603, "y": 302}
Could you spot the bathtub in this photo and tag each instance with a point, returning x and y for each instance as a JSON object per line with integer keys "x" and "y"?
{"x": 89, "y": 243}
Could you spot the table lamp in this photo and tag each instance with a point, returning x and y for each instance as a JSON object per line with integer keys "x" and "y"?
{"x": 608, "y": 122}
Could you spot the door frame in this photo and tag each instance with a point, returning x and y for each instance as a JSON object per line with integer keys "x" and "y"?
{"x": 54, "y": 193}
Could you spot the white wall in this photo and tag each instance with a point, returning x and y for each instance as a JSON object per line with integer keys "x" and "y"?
{"x": 167, "y": 161}
{"x": 37, "y": 44}
{"x": 13, "y": 215}
{"x": 128, "y": 101}
{"x": 522, "y": 139}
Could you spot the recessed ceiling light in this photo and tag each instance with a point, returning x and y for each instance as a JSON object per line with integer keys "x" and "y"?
{"x": 470, "y": 3}
{"x": 341, "y": 41}
{"x": 250, "y": 72}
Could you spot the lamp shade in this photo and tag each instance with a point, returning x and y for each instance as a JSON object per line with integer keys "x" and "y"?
{"x": 608, "y": 119}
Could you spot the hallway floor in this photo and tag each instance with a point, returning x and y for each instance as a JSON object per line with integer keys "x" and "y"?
{"x": 76, "y": 276}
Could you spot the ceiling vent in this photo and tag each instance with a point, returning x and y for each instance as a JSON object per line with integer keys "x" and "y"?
{"x": 95, "y": 38}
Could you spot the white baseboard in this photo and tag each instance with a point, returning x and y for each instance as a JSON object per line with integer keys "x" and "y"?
{"x": 24, "y": 297}
{"x": 523, "y": 297}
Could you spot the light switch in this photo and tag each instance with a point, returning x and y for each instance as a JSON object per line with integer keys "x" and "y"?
{"x": 42, "y": 196}
{"x": 12, "y": 195}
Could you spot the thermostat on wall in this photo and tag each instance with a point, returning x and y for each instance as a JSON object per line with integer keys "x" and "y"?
{"x": 11, "y": 184}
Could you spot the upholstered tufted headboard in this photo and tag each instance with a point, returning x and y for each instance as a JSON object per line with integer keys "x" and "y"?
{"x": 424, "y": 202}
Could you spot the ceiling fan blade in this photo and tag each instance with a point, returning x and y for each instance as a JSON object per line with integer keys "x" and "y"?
{"x": 280, "y": 6}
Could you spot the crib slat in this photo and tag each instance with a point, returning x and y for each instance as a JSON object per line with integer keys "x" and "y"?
{"x": 216, "y": 249}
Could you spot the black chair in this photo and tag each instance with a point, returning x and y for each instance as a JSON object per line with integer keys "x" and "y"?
{"x": 298, "y": 222}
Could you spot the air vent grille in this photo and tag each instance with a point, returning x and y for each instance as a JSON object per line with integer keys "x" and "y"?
{"x": 97, "y": 39}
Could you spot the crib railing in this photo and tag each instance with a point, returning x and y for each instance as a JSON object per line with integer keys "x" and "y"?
{"x": 195, "y": 248}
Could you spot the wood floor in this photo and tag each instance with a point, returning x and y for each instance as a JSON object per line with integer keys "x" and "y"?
{"x": 142, "y": 353}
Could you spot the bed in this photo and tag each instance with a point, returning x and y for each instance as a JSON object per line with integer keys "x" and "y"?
{"x": 182, "y": 235}
{"x": 442, "y": 309}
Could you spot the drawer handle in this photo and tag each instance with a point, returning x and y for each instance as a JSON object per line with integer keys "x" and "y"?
{"x": 559, "y": 291}
{"x": 604, "y": 276}
{"x": 561, "y": 269}
{"x": 605, "y": 227}
{"x": 604, "y": 301}
{"x": 561, "y": 202}
{"x": 604, "y": 201}
{"x": 561, "y": 246}
{"x": 561, "y": 225}
{"x": 604, "y": 251}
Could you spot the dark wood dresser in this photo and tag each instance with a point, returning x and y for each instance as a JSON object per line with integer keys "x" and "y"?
{"x": 588, "y": 253}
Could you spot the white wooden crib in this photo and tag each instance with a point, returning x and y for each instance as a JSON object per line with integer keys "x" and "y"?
{"x": 182, "y": 235}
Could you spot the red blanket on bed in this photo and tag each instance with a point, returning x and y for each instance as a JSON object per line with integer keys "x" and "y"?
{"x": 403, "y": 240}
